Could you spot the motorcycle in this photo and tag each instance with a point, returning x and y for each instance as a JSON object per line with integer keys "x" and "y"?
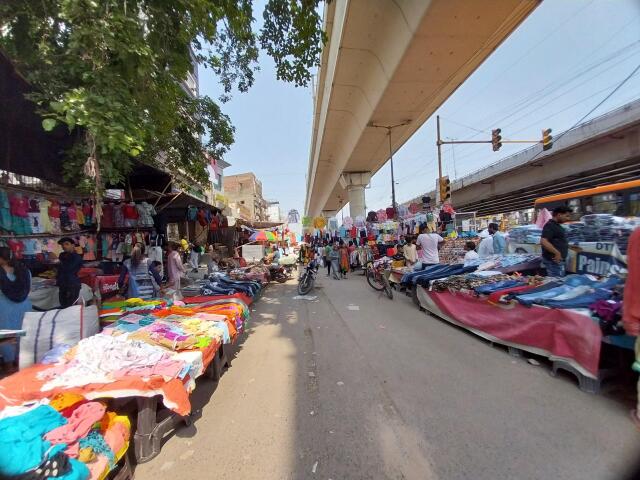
{"x": 307, "y": 279}
{"x": 278, "y": 273}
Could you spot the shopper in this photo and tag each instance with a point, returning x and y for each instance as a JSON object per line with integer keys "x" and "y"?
{"x": 428, "y": 244}
{"x": 471, "y": 255}
{"x": 15, "y": 284}
{"x": 344, "y": 259}
{"x": 67, "y": 278}
{"x": 194, "y": 257}
{"x": 327, "y": 257}
{"x": 410, "y": 252}
{"x": 554, "y": 242}
{"x": 334, "y": 257}
{"x": 175, "y": 268}
{"x": 485, "y": 249}
{"x": 499, "y": 242}
{"x": 143, "y": 279}
{"x": 631, "y": 307}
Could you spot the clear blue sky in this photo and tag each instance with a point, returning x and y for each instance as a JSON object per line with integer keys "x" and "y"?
{"x": 573, "y": 52}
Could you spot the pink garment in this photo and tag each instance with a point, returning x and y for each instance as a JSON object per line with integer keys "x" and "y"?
{"x": 175, "y": 269}
{"x": 543, "y": 217}
{"x": 165, "y": 368}
{"x": 97, "y": 467}
{"x": 78, "y": 425}
{"x": 116, "y": 436}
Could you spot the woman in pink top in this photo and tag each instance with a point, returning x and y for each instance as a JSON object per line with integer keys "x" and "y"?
{"x": 175, "y": 268}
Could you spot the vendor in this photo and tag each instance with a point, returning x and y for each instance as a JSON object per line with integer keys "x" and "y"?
{"x": 67, "y": 279}
{"x": 410, "y": 252}
{"x": 471, "y": 255}
{"x": 554, "y": 242}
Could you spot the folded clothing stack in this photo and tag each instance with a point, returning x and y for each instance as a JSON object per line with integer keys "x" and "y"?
{"x": 525, "y": 234}
{"x": 575, "y": 232}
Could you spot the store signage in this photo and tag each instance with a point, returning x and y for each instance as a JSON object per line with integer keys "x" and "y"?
{"x": 598, "y": 258}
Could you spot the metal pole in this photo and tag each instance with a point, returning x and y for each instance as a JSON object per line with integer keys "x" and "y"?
{"x": 439, "y": 143}
{"x": 393, "y": 181}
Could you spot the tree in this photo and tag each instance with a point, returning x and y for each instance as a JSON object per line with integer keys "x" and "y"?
{"x": 114, "y": 68}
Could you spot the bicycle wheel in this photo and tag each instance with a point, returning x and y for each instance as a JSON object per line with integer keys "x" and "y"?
{"x": 388, "y": 290}
{"x": 374, "y": 278}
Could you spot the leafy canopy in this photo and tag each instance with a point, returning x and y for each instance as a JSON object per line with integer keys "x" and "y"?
{"x": 115, "y": 68}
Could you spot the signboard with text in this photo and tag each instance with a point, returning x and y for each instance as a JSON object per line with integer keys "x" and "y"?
{"x": 596, "y": 258}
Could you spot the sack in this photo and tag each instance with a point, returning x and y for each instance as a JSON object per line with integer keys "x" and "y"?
{"x": 45, "y": 330}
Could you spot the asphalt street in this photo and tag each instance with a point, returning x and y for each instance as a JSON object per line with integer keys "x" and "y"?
{"x": 352, "y": 385}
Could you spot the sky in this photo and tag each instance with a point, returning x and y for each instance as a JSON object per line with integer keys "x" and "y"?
{"x": 565, "y": 58}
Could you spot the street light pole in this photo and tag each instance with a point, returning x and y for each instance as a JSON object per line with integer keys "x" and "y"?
{"x": 393, "y": 182}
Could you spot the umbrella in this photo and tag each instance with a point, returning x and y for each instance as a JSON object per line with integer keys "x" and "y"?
{"x": 262, "y": 236}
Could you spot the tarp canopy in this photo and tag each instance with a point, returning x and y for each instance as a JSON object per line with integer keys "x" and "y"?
{"x": 25, "y": 148}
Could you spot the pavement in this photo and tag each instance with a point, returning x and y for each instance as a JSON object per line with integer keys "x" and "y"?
{"x": 352, "y": 385}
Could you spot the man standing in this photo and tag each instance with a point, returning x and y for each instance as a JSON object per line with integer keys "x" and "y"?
{"x": 554, "y": 242}
{"x": 631, "y": 307}
{"x": 67, "y": 279}
{"x": 499, "y": 242}
{"x": 485, "y": 249}
{"x": 429, "y": 244}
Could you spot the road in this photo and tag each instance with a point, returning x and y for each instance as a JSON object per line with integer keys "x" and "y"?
{"x": 355, "y": 386}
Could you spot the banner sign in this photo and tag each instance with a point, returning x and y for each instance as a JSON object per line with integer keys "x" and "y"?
{"x": 596, "y": 258}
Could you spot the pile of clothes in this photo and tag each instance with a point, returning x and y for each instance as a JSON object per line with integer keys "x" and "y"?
{"x": 68, "y": 438}
{"x": 575, "y": 232}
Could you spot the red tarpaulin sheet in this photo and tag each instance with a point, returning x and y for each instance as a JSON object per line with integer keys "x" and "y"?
{"x": 555, "y": 333}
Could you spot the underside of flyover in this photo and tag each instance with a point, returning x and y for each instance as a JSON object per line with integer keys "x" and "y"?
{"x": 392, "y": 63}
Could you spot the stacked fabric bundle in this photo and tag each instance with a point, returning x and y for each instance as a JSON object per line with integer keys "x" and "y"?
{"x": 68, "y": 438}
{"x": 468, "y": 281}
{"x": 525, "y": 234}
{"x": 575, "y": 232}
{"x": 596, "y": 225}
{"x": 573, "y": 291}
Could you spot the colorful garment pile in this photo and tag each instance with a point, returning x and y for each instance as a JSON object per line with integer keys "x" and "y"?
{"x": 69, "y": 438}
{"x": 112, "y": 311}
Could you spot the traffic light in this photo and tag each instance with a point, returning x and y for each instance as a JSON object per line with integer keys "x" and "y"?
{"x": 547, "y": 139}
{"x": 496, "y": 139}
{"x": 445, "y": 189}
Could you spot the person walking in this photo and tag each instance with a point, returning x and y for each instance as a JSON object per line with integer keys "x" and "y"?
{"x": 15, "y": 284}
{"x": 175, "y": 267}
{"x": 327, "y": 257}
{"x": 344, "y": 259}
{"x": 67, "y": 278}
{"x": 334, "y": 257}
{"x": 144, "y": 279}
{"x": 555, "y": 245}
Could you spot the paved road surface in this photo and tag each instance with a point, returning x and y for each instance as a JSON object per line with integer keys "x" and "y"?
{"x": 355, "y": 386}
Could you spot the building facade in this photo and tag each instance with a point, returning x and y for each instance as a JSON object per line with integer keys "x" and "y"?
{"x": 274, "y": 214}
{"x": 244, "y": 194}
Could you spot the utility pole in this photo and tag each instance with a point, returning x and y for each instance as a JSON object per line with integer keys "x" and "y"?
{"x": 439, "y": 143}
{"x": 389, "y": 128}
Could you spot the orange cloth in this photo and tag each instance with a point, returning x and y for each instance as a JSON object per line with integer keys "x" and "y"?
{"x": 631, "y": 304}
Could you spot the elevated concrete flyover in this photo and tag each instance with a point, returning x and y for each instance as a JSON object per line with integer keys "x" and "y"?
{"x": 601, "y": 151}
{"x": 390, "y": 62}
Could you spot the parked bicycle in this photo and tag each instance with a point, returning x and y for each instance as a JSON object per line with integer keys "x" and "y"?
{"x": 378, "y": 272}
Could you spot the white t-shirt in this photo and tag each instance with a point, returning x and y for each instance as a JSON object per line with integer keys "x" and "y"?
{"x": 410, "y": 253}
{"x": 469, "y": 257}
{"x": 485, "y": 248}
{"x": 429, "y": 243}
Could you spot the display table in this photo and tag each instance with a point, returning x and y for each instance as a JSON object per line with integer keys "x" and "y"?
{"x": 571, "y": 340}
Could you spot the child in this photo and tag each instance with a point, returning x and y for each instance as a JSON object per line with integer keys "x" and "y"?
{"x": 471, "y": 255}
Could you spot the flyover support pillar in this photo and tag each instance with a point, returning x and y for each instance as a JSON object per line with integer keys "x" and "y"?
{"x": 355, "y": 184}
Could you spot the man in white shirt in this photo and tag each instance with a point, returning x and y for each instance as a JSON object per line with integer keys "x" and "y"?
{"x": 485, "y": 249}
{"x": 471, "y": 254}
{"x": 428, "y": 243}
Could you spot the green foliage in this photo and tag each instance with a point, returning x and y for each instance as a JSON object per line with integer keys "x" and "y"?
{"x": 114, "y": 68}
